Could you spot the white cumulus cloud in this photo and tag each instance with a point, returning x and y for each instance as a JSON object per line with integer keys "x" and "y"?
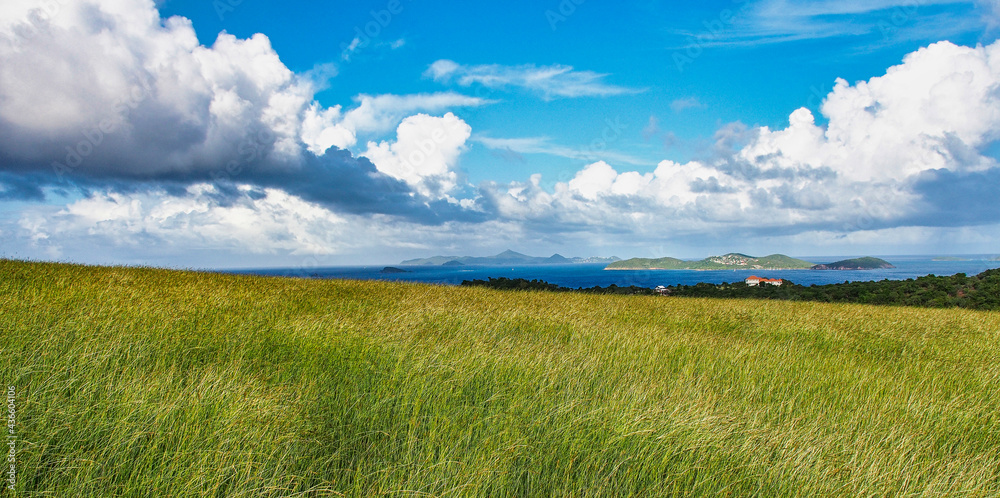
{"x": 113, "y": 85}
{"x": 262, "y": 221}
{"x": 425, "y": 153}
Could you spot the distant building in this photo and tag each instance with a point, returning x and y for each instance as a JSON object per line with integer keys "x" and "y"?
{"x": 756, "y": 281}
{"x": 662, "y": 290}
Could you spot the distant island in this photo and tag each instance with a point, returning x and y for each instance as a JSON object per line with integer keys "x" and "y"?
{"x": 392, "y": 269}
{"x": 731, "y": 261}
{"x": 958, "y": 258}
{"x": 504, "y": 259}
{"x": 737, "y": 261}
{"x": 856, "y": 264}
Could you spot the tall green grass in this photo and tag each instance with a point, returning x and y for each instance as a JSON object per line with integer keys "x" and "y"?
{"x": 140, "y": 382}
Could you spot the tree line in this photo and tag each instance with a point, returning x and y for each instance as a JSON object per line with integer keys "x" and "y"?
{"x": 979, "y": 292}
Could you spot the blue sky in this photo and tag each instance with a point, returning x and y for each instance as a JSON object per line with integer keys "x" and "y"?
{"x": 368, "y": 132}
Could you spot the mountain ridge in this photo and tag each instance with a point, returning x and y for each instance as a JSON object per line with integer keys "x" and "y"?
{"x": 508, "y": 257}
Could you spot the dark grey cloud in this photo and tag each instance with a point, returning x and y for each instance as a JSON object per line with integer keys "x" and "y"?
{"x": 952, "y": 198}
{"x": 353, "y": 185}
{"x": 765, "y": 168}
{"x": 710, "y": 186}
{"x": 810, "y": 198}
{"x": 20, "y": 188}
{"x": 336, "y": 180}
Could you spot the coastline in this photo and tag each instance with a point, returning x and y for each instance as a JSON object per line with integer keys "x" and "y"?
{"x": 710, "y": 269}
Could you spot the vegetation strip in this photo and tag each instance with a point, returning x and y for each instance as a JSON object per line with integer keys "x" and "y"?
{"x": 981, "y": 292}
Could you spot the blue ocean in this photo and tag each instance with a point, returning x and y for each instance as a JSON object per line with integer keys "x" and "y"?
{"x": 590, "y": 275}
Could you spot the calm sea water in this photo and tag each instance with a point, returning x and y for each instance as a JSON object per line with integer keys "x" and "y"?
{"x": 588, "y": 275}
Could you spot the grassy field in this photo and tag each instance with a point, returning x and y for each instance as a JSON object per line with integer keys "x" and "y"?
{"x": 138, "y": 382}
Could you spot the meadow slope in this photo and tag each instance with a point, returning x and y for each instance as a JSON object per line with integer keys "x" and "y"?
{"x": 141, "y": 382}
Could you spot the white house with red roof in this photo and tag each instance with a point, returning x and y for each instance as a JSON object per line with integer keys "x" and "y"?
{"x": 753, "y": 281}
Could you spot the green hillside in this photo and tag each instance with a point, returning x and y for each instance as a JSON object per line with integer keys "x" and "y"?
{"x": 782, "y": 261}
{"x": 645, "y": 264}
{"x": 139, "y": 382}
{"x": 732, "y": 261}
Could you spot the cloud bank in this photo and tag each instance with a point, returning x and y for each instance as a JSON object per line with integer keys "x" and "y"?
{"x": 898, "y": 150}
